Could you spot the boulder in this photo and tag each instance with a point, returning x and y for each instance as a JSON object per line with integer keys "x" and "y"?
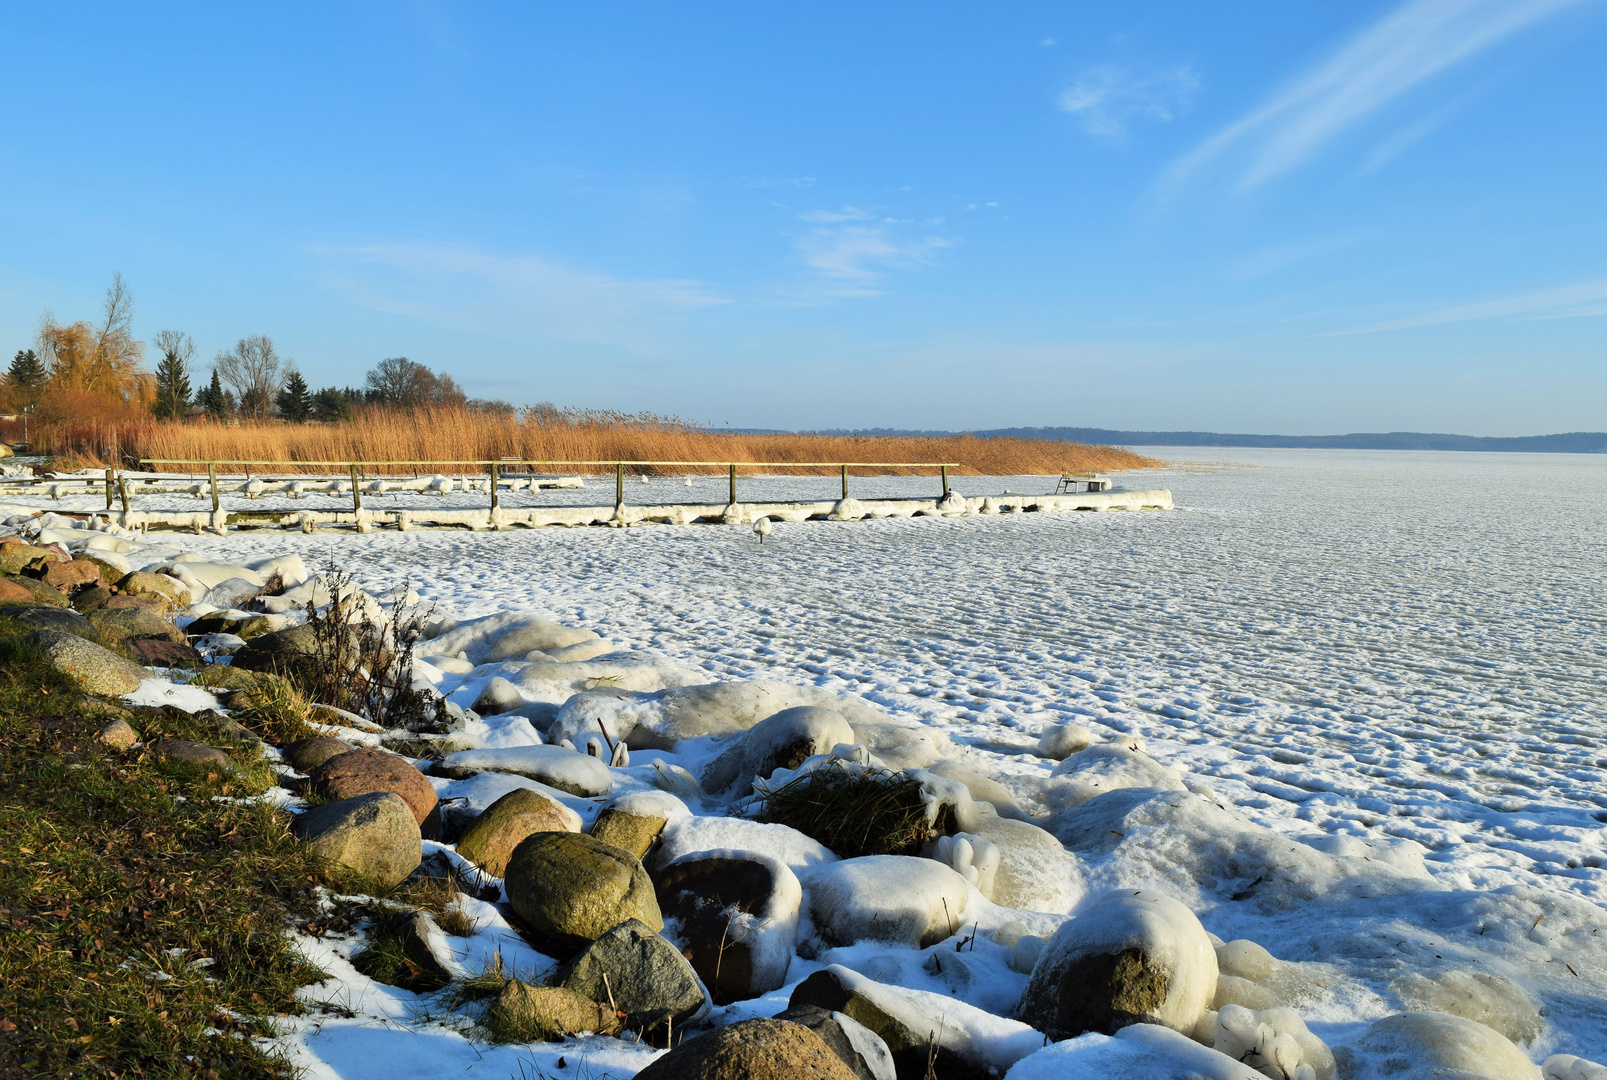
{"x": 91, "y": 598}
{"x": 118, "y": 625}
{"x": 70, "y": 576}
{"x": 919, "y": 1027}
{"x": 1124, "y": 957}
{"x": 489, "y": 839}
{"x": 735, "y": 916}
{"x": 498, "y": 696}
{"x": 548, "y": 1013}
{"x": 244, "y": 627}
{"x": 305, "y": 755}
{"x": 279, "y": 651}
{"x": 556, "y": 766}
{"x": 373, "y": 837}
{"x": 63, "y": 619}
{"x": 192, "y": 752}
{"x": 155, "y": 587}
{"x": 782, "y": 741}
{"x": 1060, "y": 741}
{"x": 110, "y": 572}
{"x": 634, "y": 833}
{"x": 751, "y": 1050}
{"x": 15, "y": 558}
{"x": 894, "y": 898}
{"x": 97, "y": 670}
{"x": 362, "y": 771}
{"x": 1438, "y": 1046}
{"x": 119, "y": 735}
{"x": 425, "y": 946}
{"x": 1035, "y": 872}
{"x": 856, "y": 1045}
{"x": 647, "y": 980}
{"x": 12, "y": 593}
{"x": 571, "y": 889}
{"x": 159, "y": 652}
{"x": 41, "y": 592}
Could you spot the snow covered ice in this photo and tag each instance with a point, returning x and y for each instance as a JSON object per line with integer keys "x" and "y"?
{"x": 1344, "y": 707}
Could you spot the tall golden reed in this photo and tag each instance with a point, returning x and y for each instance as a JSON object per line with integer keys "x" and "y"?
{"x": 457, "y": 434}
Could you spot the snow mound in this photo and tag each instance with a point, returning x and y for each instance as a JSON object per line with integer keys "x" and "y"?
{"x": 1104, "y": 768}
{"x": 892, "y": 898}
{"x": 1140, "y": 1052}
{"x": 1438, "y": 1046}
{"x": 787, "y": 846}
{"x": 503, "y": 636}
{"x": 556, "y": 766}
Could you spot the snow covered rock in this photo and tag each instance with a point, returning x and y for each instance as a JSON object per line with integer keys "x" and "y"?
{"x": 498, "y": 696}
{"x": 784, "y": 740}
{"x": 735, "y": 917}
{"x": 1274, "y": 1042}
{"x": 506, "y": 635}
{"x": 1492, "y": 1000}
{"x": 634, "y": 833}
{"x": 490, "y": 838}
{"x": 1035, "y": 873}
{"x": 570, "y": 889}
{"x": 751, "y": 1050}
{"x": 1139, "y": 1052}
{"x": 1123, "y": 958}
{"x": 372, "y": 838}
{"x": 360, "y": 772}
{"x": 969, "y": 1041}
{"x": 787, "y": 845}
{"x": 1061, "y": 741}
{"x": 1568, "y": 1067}
{"x": 1438, "y": 1046}
{"x": 970, "y": 856}
{"x": 1107, "y": 767}
{"x": 893, "y": 898}
{"x": 646, "y": 979}
{"x": 557, "y": 766}
{"x": 860, "y": 1048}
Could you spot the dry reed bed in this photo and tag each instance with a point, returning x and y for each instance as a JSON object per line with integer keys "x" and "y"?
{"x": 463, "y": 435}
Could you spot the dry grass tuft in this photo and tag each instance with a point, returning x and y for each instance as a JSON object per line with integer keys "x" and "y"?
{"x": 464, "y": 434}
{"x": 875, "y": 812}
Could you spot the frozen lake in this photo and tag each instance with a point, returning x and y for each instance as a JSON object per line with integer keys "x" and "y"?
{"x": 1394, "y": 643}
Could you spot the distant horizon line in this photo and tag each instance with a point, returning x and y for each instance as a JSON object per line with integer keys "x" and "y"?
{"x": 1573, "y": 442}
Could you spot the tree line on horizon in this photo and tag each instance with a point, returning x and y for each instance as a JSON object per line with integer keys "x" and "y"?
{"x": 95, "y": 370}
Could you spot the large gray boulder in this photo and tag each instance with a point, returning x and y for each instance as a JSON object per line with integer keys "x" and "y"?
{"x": 783, "y": 741}
{"x": 641, "y": 975}
{"x": 570, "y": 889}
{"x": 97, "y": 670}
{"x": 280, "y": 651}
{"x": 117, "y": 625}
{"x": 373, "y": 838}
{"x": 860, "y": 1048}
{"x": 53, "y": 618}
{"x": 751, "y": 1050}
{"x": 1123, "y": 958}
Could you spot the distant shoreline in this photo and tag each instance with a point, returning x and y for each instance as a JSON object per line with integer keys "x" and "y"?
{"x": 1577, "y": 442}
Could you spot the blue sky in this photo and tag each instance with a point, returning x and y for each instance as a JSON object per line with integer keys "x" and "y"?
{"x": 1283, "y": 217}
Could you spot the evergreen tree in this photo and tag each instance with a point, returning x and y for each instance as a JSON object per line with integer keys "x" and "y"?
{"x": 173, "y": 375}
{"x": 295, "y": 403}
{"x": 27, "y": 373}
{"x": 332, "y": 404}
{"x": 217, "y": 401}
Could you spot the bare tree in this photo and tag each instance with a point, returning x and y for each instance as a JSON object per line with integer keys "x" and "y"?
{"x": 256, "y": 374}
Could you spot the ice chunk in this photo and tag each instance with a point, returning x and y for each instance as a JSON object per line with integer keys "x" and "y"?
{"x": 1493, "y": 1000}
{"x": 1063, "y": 740}
{"x": 1273, "y": 1041}
{"x": 1568, "y": 1067}
{"x": 1035, "y": 872}
{"x": 1104, "y": 768}
{"x": 970, "y": 856}
{"x": 503, "y": 636}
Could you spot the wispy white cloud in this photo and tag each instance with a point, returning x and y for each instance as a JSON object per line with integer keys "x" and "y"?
{"x": 517, "y": 295}
{"x": 847, "y": 213}
{"x": 1408, "y": 136}
{"x": 1569, "y": 302}
{"x": 1107, "y": 98}
{"x": 1277, "y": 258}
{"x": 1048, "y": 42}
{"x": 1418, "y": 40}
{"x": 853, "y": 260}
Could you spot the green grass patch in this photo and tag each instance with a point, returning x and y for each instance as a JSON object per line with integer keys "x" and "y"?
{"x": 142, "y": 921}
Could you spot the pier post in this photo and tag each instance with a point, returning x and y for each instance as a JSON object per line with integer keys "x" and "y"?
{"x": 845, "y": 481}
{"x": 945, "y": 469}
{"x": 357, "y": 492}
{"x": 122, "y": 491}
{"x": 108, "y": 489}
{"x": 494, "y": 479}
{"x": 733, "y": 485}
{"x": 619, "y": 484}
{"x": 212, "y": 477}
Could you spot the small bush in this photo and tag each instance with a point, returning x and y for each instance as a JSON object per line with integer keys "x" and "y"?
{"x": 854, "y": 812}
